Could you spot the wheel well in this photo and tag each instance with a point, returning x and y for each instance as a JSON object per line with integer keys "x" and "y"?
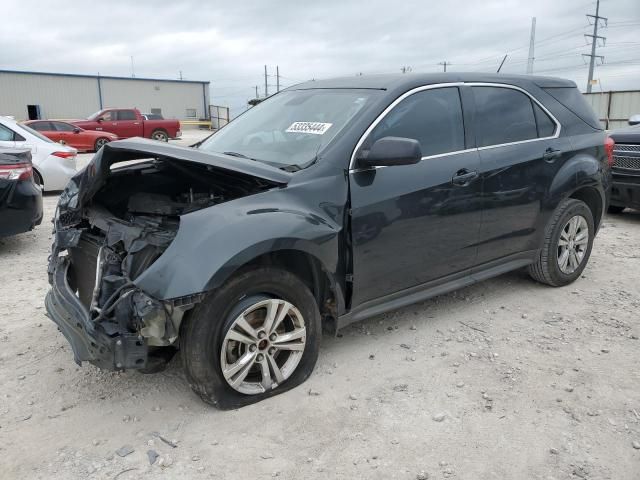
{"x": 159, "y": 130}
{"x": 309, "y": 270}
{"x": 35, "y": 170}
{"x": 592, "y": 198}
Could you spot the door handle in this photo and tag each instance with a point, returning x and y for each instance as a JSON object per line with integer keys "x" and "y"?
{"x": 550, "y": 155}
{"x": 464, "y": 177}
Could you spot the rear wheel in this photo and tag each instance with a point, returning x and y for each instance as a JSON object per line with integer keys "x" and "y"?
{"x": 255, "y": 337}
{"x": 100, "y": 142}
{"x": 614, "y": 209}
{"x": 567, "y": 245}
{"x": 160, "y": 136}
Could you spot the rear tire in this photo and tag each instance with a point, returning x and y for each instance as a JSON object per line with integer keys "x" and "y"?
{"x": 614, "y": 209}
{"x": 215, "y": 338}
{"x": 160, "y": 136}
{"x": 567, "y": 245}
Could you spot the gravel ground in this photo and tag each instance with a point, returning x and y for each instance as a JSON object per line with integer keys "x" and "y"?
{"x": 507, "y": 379}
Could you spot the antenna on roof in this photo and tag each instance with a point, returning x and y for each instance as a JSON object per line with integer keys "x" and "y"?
{"x": 502, "y": 62}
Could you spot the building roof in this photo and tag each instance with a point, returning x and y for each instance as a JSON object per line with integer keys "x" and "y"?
{"x": 411, "y": 80}
{"x": 77, "y": 75}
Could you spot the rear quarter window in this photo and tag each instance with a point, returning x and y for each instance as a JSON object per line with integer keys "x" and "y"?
{"x": 572, "y": 99}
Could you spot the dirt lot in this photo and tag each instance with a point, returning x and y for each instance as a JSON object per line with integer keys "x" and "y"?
{"x": 507, "y": 379}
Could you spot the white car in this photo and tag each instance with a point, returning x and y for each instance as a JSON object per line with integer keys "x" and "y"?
{"x": 53, "y": 164}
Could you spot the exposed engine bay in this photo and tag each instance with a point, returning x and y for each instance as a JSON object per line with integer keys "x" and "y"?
{"x": 107, "y": 240}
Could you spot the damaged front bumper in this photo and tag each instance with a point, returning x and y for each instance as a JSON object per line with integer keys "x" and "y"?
{"x": 115, "y": 350}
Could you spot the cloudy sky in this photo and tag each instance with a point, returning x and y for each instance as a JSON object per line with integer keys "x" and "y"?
{"x": 228, "y": 43}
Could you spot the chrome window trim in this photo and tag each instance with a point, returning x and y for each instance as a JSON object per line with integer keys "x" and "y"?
{"x": 386, "y": 111}
{"x": 393, "y": 104}
{"x": 556, "y": 133}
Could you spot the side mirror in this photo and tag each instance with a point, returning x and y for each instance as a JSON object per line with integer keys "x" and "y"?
{"x": 634, "y": 119}
{"x": 76, "y": 130}
{"x": 390, "y": 151}
{"x": 100, "y": 120}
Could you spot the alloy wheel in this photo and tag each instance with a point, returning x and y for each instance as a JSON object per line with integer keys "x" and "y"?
{"x": 160, "y": 136}
{"x": 263, "y": 346}
{"x": 573, "y": 244}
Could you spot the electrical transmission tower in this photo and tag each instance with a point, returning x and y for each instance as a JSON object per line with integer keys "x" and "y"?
{"x": 594, "y": 42}
{"x": 444, "y": 65}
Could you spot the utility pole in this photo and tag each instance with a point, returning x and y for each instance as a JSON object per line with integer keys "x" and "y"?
{"x": 594, "y": 41}
{"x": 444, "y": 65}
{"x": 180, "y": 74}
{"x": 133, "y": 73}
{"x": 532, "y": 42}
{"x": 266, "y": 87}
{"x": 277, "y": 78}
{"x": 257, "y": 96}
{"x": 406, "y": 69}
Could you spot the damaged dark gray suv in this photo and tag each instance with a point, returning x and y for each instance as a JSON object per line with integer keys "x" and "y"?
{"x": 328, "y": 203}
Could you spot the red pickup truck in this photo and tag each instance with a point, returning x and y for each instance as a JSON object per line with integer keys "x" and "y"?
{"x": 129, "y": 122}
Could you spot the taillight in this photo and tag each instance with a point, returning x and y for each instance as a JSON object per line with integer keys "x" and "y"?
{"x": 17, "y": 171}
{"x": 64, "y": 154}
{"x": 608, "y": 147}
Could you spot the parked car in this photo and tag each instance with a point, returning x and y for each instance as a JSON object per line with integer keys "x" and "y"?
{"x": 360, "y": 195}
{"x": 20, "y": 197}
{"x": 66, "y": 133}
{"x": 152, "y": 116}
{"x": 625, "y": 191}
{"x": 53, "y": 164}
{"x": 128, "y": 122}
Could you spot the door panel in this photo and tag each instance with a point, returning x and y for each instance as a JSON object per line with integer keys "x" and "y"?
{"x": 520, "y": 156}
{"x": 411, "y": 224}
{"x": 128, "y": 124}
{"x": 516, "y": 181}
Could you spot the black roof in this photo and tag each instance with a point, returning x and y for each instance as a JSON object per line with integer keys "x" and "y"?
{"x": 411, "y": 80}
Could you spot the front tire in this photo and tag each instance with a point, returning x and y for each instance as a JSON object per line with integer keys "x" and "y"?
{"x": 255, "y": 337}
{"x": 567, "y": 245}
{"x": 160, "y": 136}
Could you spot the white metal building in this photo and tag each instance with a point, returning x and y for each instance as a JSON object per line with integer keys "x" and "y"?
{"x": 31, "y": 95}
{"x": 615, "y": 108}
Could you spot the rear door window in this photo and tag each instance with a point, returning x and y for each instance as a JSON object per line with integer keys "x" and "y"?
{"x": 432, "y": 117}
{"x": 126, "y": 115}
{"x": 62, "y": 127}
{"x": 503, "y": 115}
{"x": 41, "y": 126}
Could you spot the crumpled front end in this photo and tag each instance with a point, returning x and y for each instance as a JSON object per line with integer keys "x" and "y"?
{"x": 110, "y": 227}
{"x": 107, "y": 319}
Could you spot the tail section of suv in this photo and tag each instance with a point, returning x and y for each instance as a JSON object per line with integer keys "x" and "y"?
{"x": 328, "y": 203}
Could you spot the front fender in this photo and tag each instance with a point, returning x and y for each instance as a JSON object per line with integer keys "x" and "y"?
{"x": 212, "y": 243}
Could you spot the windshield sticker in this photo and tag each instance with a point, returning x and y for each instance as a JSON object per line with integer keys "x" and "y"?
{"x": 316, "y": 128}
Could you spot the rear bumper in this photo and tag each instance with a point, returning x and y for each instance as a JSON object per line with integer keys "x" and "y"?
{"x": 177, "y": 135}
{"x": 90, "y": 342}
{"x": 20, "y": 208}
{"x": 625, "y": 191}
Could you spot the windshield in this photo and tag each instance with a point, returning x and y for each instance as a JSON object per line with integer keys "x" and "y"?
{"x": 290, "y": 128}
{"x": 35, "y": 133}
{"x": 93, "y": 116}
